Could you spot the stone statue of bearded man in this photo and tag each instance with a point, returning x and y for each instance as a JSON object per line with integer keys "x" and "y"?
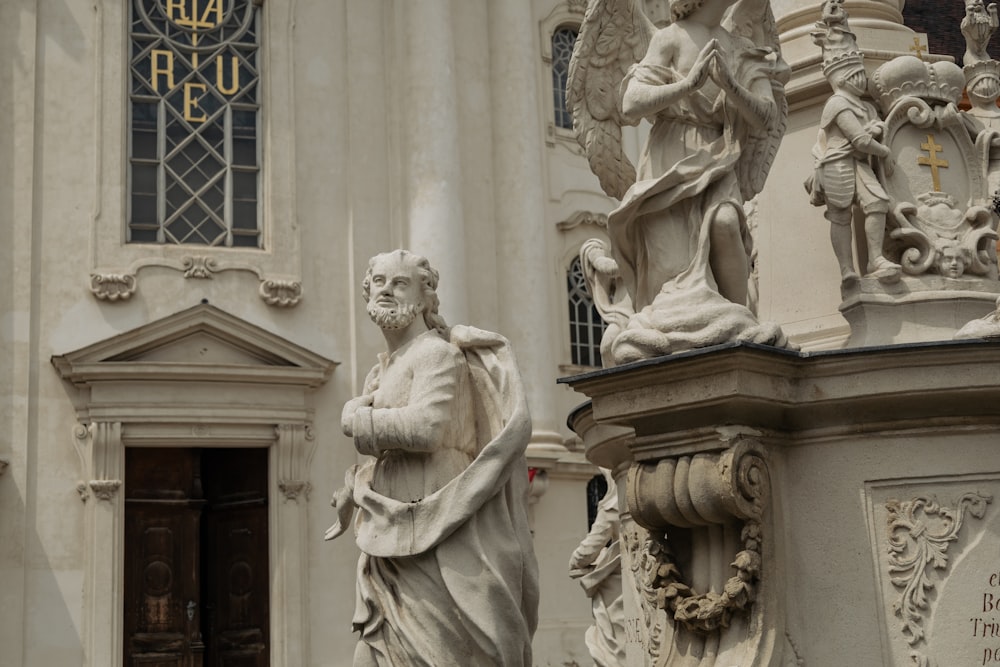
{"x": 447, "y": 574}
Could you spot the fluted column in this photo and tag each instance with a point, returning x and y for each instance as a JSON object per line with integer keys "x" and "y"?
{"x": 433, "y": 170}
{"x": 523, "y": 271}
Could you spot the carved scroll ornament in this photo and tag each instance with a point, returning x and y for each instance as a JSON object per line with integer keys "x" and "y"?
{"x": 920, "y": 531}
{"x": 696, "y": 492}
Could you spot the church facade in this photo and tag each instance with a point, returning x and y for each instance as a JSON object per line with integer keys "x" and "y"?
{"x": 192, "y": 190}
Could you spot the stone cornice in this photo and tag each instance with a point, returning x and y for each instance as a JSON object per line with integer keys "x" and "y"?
{"x": 797, "y": 393}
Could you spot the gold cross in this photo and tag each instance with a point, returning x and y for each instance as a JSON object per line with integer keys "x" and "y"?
{"x": 933, "y": 162}
{"x": 918, "y": 48}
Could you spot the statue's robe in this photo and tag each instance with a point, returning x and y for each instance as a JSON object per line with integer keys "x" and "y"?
{"x": 447, "y": 574}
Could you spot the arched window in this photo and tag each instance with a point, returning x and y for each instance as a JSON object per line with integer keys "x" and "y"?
{"x": 597, "y": 487}
{"x": 563, "y": 40}
{"x": 585, "y": 324}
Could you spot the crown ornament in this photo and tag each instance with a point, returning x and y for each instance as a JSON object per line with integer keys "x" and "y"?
{"x": 907, "y": 76}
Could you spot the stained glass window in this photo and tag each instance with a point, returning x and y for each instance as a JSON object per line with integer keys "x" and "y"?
{"x": 563, "y": 40}
{"x": 194, "y": 143}
{"x": 585, "y": 324}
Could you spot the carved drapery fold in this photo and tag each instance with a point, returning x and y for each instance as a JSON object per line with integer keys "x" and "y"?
{"x": 296, "y": 445}
{"x": 698, "y": 503}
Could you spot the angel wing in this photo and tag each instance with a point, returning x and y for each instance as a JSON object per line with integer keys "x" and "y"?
{"x": 754, "y": 20}
{"x": 614, "y": 36}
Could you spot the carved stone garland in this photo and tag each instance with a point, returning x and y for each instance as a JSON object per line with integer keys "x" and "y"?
{"x": 920, "y": 531}
{"x": 695, "y": 492}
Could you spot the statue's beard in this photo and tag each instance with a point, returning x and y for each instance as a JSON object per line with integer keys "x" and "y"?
{"x": 393, "y": 317}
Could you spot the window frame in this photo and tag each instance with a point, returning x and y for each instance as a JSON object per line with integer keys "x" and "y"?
{"x": 116, "y": 267}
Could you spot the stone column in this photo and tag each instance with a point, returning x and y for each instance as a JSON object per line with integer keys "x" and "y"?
{"x": 878, "y": 24}
{"x": 433, "y": 170}
{"x": 524, "y": 271}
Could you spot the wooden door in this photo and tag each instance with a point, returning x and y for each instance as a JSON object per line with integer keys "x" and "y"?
{"x": 235, "y": 585}
{"x": 196, "y": 569}
{"x": 163, "y": 504}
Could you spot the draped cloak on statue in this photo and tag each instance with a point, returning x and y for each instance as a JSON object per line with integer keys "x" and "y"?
{"x": 447, "y": 574}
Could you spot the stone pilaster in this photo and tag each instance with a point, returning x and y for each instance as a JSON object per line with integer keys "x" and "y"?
{"x": 433, "y": 170}
{"x": 524, "y": 274}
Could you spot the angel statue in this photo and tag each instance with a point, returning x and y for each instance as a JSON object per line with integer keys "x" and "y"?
{"x": 712, "y": 84}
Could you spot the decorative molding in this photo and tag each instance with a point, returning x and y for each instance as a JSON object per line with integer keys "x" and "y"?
{"x": 662, "y": 495}
{"x": 577, "y": 7}
{"x": 120, "y": 286}
{"x": 112, "y": 286}
{"x": 920, "y": 531}
{"x": 105, "y": 489}
{"x": 583, "y": 218}
{"x": 294, "y": 488}
{"x": 296, "y": 445}
{"x": 643, "y": 563}
{"x": 281, "y": 293}
{"x": 96, "y": 445}
{"x": 199, "y": 266}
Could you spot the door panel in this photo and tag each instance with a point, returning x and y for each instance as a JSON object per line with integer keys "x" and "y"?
{"x": 162, "y": 517}
{"x": 196, "y": 568}
{"x": 237, "y": 583}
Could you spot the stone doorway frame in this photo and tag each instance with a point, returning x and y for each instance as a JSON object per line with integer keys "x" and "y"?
{"x": 129, "y": 394}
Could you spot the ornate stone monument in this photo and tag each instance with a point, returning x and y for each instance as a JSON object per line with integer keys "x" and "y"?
{"x": 447, "y": 574}
{"x": 711, "y": 83}
{"x": 918, "y": 171}
{"x": 781, "y": 509}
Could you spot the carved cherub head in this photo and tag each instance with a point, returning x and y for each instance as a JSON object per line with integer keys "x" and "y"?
{"x": 952, "y": 259}
{"x": 398, "y": 286}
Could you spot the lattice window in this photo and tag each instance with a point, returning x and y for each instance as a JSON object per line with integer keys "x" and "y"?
{"x": 563, "y": 40}
{"x": 194, "y": 148}
{"x": 585, "y": 324}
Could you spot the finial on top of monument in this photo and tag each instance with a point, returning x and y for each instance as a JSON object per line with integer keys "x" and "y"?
{"x": 712, "y": 84}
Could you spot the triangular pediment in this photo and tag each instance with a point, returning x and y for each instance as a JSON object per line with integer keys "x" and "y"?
{"x": 198, "y": 341}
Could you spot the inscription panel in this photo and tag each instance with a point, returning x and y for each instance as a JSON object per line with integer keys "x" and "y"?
{"x": 936, "y": 543}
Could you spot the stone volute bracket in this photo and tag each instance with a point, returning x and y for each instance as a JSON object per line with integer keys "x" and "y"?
{"x": 706, "y": 503}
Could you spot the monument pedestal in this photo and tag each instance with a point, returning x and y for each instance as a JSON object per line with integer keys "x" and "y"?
{"x": 776, "y": 503}
{"x": 915, "y": 310}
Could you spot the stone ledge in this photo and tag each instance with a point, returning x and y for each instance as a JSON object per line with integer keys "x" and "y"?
{"x": 671, "y": 398}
